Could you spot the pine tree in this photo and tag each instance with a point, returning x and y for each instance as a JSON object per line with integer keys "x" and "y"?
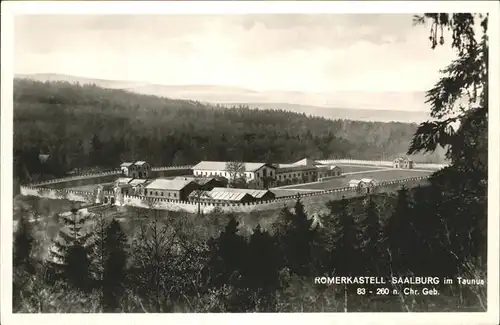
{"x": 373, "y": 246}
{"x": 227, "y": 266}
{"x": 400, "y": 235}
{"x": 346, "y": 254}
{"x": 262, "y": 264}
{"x": 228, "y": 254}
{"x": 70, "y": 254}
{"x": 114, "y": 270}
{"x": 298, "y": 241}
{"x": 459, "y": 111}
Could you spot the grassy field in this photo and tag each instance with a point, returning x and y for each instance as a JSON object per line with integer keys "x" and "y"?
{"x": 382, "y": 175}
{"x": 87, "y": 188}
{"x": 358, "y": 168}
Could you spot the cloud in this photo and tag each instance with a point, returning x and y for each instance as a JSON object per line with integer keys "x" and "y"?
{"x": 316, "y": 53}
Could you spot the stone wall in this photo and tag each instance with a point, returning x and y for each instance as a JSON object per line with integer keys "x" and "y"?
{"x": 385, "y": 163}
{"x": 79, "y": 180}
{"x": 57, "y": 191}
{"x": 307, "y": 198}
{"x": 170, "y": 171}
{"x": 52, "y": 193}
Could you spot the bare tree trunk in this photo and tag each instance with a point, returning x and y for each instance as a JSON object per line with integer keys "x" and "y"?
{"x": 345, "y": 298}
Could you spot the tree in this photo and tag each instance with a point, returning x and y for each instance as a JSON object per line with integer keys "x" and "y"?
{"x": 152, "y": 250}
{"x": 261, "y": 273}
{"x": 346, "y": 253}
{"x": 115, "y": 262}
{"x": 459, "y": 108}
{"x": 464, "y": 79}
{"x": 99, "y": 253}
{"x": 23, "y": 245}
{"x": 236, "y": 170}
{"x": 228, "y": 254}
{"x": 298, "y": 239}
{"x": 200, "y": 193}
{"x": 180, "y": 158}
{"x": 400, "y": 234}
{"x": 23, "y": 264}
{"x": 96, "y": 150}
{"x": 431, "y": 254}
{"x": 70, "y": 254}
{"x": 227, "y": 266}
{"x": 373, "y": 246}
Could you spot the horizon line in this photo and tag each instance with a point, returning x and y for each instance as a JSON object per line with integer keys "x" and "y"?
{"x": 149, "y": 83}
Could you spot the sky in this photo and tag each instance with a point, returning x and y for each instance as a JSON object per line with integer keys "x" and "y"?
{"x": 307, "y": 53}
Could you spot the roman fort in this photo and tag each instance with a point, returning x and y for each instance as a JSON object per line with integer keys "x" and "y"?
{"x": 231, "y": 186}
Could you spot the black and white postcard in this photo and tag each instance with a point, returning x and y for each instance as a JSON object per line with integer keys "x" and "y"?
{"x": 232, "y": 162}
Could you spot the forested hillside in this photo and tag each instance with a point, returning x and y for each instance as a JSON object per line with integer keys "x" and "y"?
{"x": 204, "y": 263}
{"x": 81, "y": 126}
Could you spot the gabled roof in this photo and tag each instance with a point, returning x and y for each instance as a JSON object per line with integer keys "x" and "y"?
{"x": 137, "y": 181}
{"x": 290, "y": 168}
{"x": 137, "y": 163}
{"x": 230, "y": 196}
{"x": 199, "y": 180}
{"x": 354, "y": 181}
{"x": 254, "y": 193}
{"x": 222, "y": 166}
{"x": 403, "y": 159}
{"x": 223, "y": 196}
{"x": 305, "y": 162}
{"x": 201, "y": 194}
{"x": 284, "y": 165}
{"x": 123, "y": 180}
{"x": 106, "y": 186}
{"x": 367, "y": 180}
{"x": 168, "y": 184}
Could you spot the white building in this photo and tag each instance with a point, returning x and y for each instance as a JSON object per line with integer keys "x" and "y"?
{"x": 258, "y": 173}
{"x": 305, "y": 170}
{"x": 138, "y": 169}
{"x": 405, "y": 163}
{"x": 366, "y": 182}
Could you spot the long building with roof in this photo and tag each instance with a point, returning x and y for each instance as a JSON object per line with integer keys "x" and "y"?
{"x": 303, "y": 171}
{"x": 177, "y": 189}
{"x": 232, "y": 195}
{"x": 206, "y": 183}
{"x": 260, "y": 174}
{"x": 264, "y": 175}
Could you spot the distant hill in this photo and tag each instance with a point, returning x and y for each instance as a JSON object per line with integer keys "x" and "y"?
{"x": 81, "y": 126}
{"x": 378, "y": 115}
{"x": 354, "y": 105}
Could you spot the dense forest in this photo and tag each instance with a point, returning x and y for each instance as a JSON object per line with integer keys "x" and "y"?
{"x": 84, "y": 126}
{"x": 173, "y": 264}
{"x": 187, "y": 263}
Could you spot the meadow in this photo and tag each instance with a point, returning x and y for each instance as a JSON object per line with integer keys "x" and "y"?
{"x": 380, "y": 175}
{"x": 359, "y": 168}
